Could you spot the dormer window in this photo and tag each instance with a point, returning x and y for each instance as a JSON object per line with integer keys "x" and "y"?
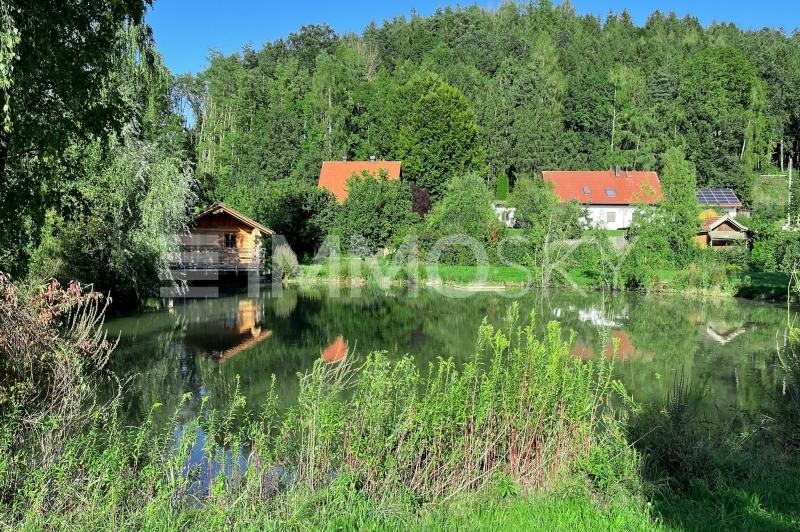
{"x": 586, "y": 189}
{"x": 611, "y": 192}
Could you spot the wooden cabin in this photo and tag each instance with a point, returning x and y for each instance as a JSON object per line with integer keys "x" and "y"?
{"x": 723, "y": 231}
{"x": 223, "y": 238}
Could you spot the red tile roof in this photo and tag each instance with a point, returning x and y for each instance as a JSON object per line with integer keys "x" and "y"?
{"x": 604, "y": 187}
{"x": 334, "y": 174}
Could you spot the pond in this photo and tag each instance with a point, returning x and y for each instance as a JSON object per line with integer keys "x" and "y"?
{"x": 725, "y": 348}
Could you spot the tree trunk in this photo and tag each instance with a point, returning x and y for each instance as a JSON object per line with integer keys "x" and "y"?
{"x": 5, "y": 140}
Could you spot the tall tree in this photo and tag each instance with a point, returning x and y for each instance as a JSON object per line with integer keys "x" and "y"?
{"x": 679, "y": 206}
{"x": 439, "y": 136}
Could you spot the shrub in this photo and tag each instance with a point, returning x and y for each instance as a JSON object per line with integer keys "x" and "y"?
{"x": 302, "y": 213}
{"x": 53, "y": 355}
{"x": 420, "y": 201}
{"x": 465, "y": 210}
{"x": 375, "y": 213}
{"x": 285, "y": 262}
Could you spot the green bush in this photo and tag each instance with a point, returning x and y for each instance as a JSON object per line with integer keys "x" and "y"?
{"x": 303, "y": 213}
{"x": 376, "y": 214}
{"x": 465, "y": 211}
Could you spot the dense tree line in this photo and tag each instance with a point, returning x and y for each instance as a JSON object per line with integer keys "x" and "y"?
{"x": 98, "y": 167}
{"x": 507, "y": 92}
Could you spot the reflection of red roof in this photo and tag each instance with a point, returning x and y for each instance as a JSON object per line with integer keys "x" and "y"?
{"x": 334, "y": 174}
{"x": 604, "y": 187}
{"x": 624, "y": 352}
{"x": 336, "y": 351}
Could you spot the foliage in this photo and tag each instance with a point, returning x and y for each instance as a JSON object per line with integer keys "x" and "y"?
{"x": 61, "y": 83}
{"x": 127, "y": 214}
{"x": 302, "y": 213}
{"x": 462, "y": 227}
{"x": 522, "y": 409}
{"x": 501, "y": 188}
{"x": 542, "y": 216}
{"x": 53, "y": 354}
{"x": 649, "y": 252}
{"x": 376, "y": 212}
{"x": 680, "y": 208}
{"x": 439, "y": 137}
{"x": 420, "y": 201}
{"x": 285, "y": 262}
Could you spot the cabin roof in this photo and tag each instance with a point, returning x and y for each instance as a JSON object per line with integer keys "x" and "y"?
{"x": 334, "y": 174}
{"x": 710, "y": 224}
{"x": 605, "y": 187}
{"x": 219, "y": 207}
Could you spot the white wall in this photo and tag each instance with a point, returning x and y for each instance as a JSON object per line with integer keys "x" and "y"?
{"x": 610, "y": 216}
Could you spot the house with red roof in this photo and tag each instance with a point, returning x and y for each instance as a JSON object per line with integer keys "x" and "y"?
{"x": 334, "y": 174}
{"x": 610, "y": 196}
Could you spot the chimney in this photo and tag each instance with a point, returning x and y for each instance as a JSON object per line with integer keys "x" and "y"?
{"x": 616, "y": 170}
{"x": 372, "y": 158}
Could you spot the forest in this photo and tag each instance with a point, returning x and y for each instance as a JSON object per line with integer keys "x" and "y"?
{"x": 99, "y": 170}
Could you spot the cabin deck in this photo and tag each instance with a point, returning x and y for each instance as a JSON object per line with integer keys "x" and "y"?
{"x": 217, "y": 258}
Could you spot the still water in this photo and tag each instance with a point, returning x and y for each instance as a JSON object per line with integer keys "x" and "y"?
{"x": 726, "y": 348}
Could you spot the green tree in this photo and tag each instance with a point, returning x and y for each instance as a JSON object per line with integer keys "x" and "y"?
{"x": 59, "y": 84}
{"x": 465, "y": 210}
{"x": 375, "y": 213}
{"x": 541, "y": 214}
{"x": 679, "y": 206}
{"x": 131, "y": 211}
{"x": 439, "y": 136}
{"x": 301, "y": 212}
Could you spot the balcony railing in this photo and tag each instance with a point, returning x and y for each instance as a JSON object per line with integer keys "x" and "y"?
{"x": 217, "y": 257}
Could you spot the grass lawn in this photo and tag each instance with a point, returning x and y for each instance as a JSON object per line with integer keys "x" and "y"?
{"x": 494, "y": 274}
{"x": 769, "y": 286}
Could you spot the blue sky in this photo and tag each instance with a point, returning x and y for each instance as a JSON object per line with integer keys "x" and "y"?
{"x": 185, "y": 30}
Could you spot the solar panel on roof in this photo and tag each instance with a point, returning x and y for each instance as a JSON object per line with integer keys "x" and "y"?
{"x": 716, "y": 196}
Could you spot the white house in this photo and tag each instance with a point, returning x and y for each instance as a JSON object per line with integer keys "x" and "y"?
{"x": 609, "y": 196}
{"x": 504, "y": 213}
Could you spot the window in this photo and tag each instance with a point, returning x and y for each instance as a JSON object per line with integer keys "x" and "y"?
{"x": 230, "y": 240}
{"x": 611, "y": 217}
{"x": 586, "y": 189}
{"x": 611, "y": 192}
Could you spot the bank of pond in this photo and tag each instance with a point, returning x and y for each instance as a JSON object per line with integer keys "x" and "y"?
{"x": 422, "y": 408}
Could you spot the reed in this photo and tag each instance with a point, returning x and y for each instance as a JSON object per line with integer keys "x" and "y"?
{"x": 380, "y": 436}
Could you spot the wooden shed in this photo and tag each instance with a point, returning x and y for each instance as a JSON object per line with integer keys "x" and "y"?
{"x": 723, "y": 231}
{"x": 223, "y": 238}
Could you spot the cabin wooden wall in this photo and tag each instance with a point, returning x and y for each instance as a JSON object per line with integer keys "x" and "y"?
{"x": 217, "y": 225}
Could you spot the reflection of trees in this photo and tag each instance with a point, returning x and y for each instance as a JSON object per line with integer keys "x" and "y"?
{"x": 179, "y": 352}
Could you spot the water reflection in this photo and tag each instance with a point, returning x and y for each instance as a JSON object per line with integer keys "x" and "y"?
{"x": 202, "y": 346}
{"x": 336, "y": 351}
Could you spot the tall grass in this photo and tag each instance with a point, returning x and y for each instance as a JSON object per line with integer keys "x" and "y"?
{"x": 380, "y": 437}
